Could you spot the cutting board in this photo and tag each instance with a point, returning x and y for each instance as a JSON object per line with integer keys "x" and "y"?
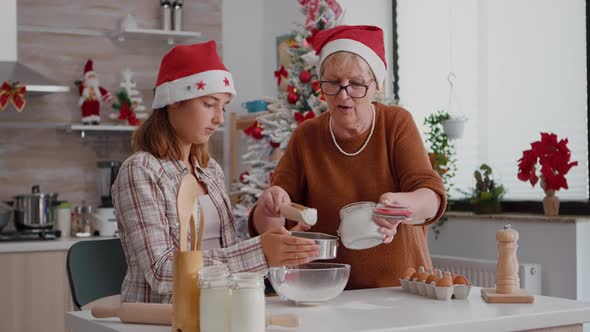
{"x": 518, "y": 296}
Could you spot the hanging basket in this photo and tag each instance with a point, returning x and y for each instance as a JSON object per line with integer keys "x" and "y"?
{"x": 454, "y": 127}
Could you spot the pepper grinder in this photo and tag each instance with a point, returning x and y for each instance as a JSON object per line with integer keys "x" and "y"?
{"x": 506, "y": 274}
{"x": 507, "y": 281}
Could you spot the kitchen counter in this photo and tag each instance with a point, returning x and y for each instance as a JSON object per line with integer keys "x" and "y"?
{"x": 391, "y": 309}
{"x": 60, "y": 244}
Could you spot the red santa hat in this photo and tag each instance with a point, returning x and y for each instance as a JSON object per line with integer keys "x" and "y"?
{"x": 191, "y": 71}
{"x": 365, "y": 41}
{"x": 88, "y": 69}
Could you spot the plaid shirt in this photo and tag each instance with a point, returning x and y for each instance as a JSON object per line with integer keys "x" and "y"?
{"x": 144, "y": 196}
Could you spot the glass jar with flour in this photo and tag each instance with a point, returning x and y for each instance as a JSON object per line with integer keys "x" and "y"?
{"x": 247, "y": 302}
{"x": 215, "y": 298}
{"x": 357, "y": 229}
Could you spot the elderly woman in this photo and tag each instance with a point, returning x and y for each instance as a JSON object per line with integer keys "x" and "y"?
{"x": 358, "y": 151}
{"x": 193, "y": 90}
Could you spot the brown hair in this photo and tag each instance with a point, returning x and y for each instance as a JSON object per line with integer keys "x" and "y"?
{"x": 157, "y": 136}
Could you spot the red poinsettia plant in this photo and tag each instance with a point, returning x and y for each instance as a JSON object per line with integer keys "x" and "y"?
{"x": 554, "y": 158}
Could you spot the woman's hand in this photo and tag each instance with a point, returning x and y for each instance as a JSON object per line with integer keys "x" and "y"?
{"x": 271, "y": 199}
{"x": 388, "y": 226}
{"x": 282, "y": 249}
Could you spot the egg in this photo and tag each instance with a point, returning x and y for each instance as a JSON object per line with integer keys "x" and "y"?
{"x": 417, "y": 274}
{"x": 432, "y": 278}
{"x": 446, "y": 281}
{"x": 409, "y": 272}
{"x": 461, "y": 280}
{"x": 423, "y": 276}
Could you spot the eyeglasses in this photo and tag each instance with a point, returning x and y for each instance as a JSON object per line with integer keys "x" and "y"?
{"x": 353, "y": 90}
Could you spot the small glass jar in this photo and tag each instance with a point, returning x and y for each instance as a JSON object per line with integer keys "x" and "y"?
{"x": 247, "y": 302}
{"x": 84, "y": 222}
{"x": 214, "y": 299}
{"x": 357, "y": 229}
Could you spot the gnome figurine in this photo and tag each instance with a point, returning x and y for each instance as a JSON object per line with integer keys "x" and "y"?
{"x": 92, "y": 95}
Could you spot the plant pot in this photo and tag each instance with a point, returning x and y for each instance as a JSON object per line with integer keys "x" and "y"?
{"x": 454, "y": 128}
{"x": 551, "y": 203}
{"x": 491, "y": 206}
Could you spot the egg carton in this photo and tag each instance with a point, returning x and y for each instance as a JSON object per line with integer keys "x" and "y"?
{"x": 456, "y": 291}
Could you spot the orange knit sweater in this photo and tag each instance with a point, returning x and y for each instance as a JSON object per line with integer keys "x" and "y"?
{"x": 317, "y": 175}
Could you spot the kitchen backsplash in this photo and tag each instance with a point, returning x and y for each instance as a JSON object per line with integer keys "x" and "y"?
{"x": 64, "y": 162}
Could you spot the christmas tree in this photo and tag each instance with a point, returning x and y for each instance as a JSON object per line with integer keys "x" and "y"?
{"x": 299, "y": 99}
{"x": 129, "y": 101}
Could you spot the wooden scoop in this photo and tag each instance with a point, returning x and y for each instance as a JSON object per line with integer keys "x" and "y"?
{"x": 161, "y": 314}
{"x": 299, "y": 213}
{"x": 185, "y": 203}
{"x": 197, "y": 238}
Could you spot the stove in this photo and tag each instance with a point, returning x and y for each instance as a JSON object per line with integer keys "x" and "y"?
{"x": 30, "y": 235}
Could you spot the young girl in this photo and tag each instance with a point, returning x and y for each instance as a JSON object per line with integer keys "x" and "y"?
{"x": 192, "y": 92}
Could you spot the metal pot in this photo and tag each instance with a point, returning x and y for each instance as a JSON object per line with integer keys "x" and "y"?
{"x": 35, "y": 210}
{"x": 328, "y": 243}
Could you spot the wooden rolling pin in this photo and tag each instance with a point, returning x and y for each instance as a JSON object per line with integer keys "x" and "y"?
{"x": 161, "y": 314}
{"x": 138, "y": 313}
{"x": 299, "y": 213}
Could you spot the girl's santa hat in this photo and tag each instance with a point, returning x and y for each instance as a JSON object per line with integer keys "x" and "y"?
{"x": 191, "y": 71}
{"x": 365, "y": 41}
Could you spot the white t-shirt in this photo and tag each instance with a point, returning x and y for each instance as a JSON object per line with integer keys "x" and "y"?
{"x": 212, "y": 230}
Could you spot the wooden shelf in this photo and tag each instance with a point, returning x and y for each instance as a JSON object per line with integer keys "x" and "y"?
{"x": 81, "y": 127}
{"x": 32, "y": 125}
{"x": 169, "y": 36}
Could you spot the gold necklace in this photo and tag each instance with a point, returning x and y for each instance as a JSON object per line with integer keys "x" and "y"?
{"x": 362, "y": 147}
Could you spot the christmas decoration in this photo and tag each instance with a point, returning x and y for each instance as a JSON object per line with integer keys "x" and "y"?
{"x": 182, "y": 78}
{"x": 279, "y": 74}
{"x": 129, "y": 102}
{"x": 92, "y": 95}
{"x": 300, "y": 101}
{"x": 305, "y": 76}
{"x": 292, "y": 98}
{"x": 12, "y": 92}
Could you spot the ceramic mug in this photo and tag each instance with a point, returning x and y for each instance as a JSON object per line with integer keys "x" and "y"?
{"x": 357, "y": 229}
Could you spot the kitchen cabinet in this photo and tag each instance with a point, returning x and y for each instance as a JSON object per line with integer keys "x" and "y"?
{"x": 35, "y": 291}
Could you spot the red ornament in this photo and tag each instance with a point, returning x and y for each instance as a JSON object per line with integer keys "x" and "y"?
{"x": 300, "y": 117}
{"x": 275, "y": 144}
{"x": 243, "y": 177}
{"x": 254, "y": 131}
{"x": 292, "y": 98}
{"x": 305, "y": 76}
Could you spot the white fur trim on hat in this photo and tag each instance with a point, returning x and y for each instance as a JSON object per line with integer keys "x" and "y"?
{"x": 358, "y": 48}
{"x": 193, "y": 86}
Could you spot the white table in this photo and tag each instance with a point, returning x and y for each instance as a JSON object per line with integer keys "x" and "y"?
{"x": 391, "y": 309}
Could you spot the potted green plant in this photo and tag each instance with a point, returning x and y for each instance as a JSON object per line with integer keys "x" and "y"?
{"x": 441, "y": 152}
{"x": 487, "y": 195}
